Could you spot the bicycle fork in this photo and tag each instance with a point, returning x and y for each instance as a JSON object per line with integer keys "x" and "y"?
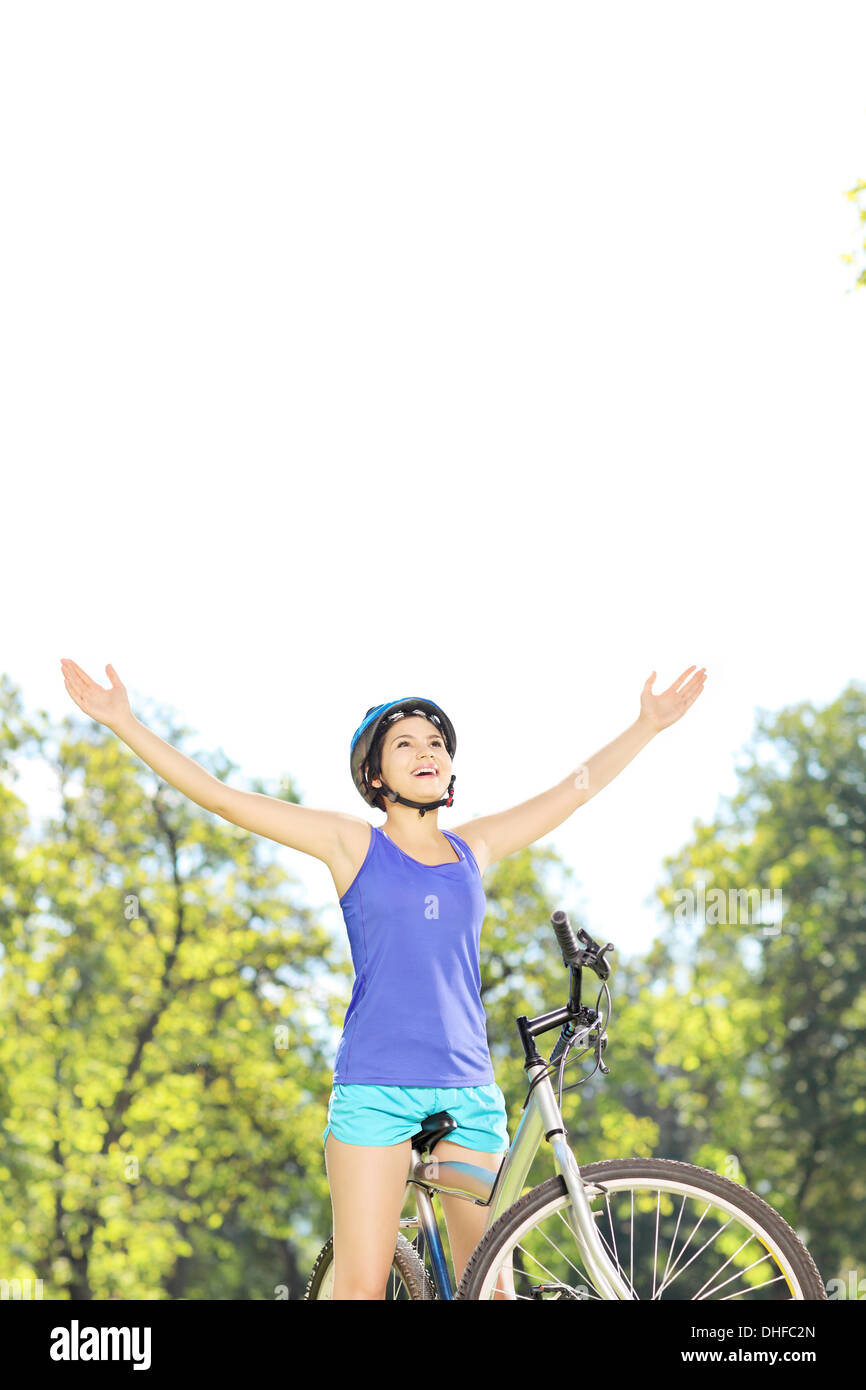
{"x": 603, "y": 1272}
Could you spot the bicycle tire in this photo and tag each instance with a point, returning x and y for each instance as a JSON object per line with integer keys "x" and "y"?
{"x": 479, "y": 1276}
{"x": 407, "y": 1268}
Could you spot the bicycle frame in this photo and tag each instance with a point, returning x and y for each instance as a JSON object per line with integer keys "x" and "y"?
{"x": 542, "y": 1120}
{"x": 581, "y": 1027}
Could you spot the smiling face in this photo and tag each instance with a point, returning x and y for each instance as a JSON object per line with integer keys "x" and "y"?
{"x": 410, "y": 744}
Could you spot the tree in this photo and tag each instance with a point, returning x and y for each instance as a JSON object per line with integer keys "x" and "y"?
{"x": 170, "y": 1015}
{"x": 737, "y": 1038}
{"x": 854, "y": 194}
{"x": 768, "y": 1053}
{"x": 164, "y": 1059}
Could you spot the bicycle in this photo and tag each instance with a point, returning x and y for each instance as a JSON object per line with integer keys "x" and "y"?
{"x": 600, "y": 1231}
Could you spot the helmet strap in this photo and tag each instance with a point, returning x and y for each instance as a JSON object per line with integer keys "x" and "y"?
{"x": 421, "y": 806}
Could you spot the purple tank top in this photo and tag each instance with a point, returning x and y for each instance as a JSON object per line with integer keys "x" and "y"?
{"x": 415, "y": 1017}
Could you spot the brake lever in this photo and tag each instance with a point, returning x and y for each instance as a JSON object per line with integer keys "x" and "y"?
{"x": 594, "y": 960}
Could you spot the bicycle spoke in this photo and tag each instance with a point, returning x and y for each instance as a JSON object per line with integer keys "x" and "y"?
{"x": 614, "y": 1252}
{"x": 676, "y": 1260}
{"x": 615, "y": 1257}
{"x": 752, "y": 1287}
{"x": 548, "y": 1272}
{"x": 725, "y": 1265}
{"x": 740, "y": 1272}
{"x": 693, "y": 1249}
{"x": 683, "y": 1248}
{"x": 567, "y": 1224}
{"x": 673, "y": 1237}
{"x": 697, "y": 1252}
{"x": 691, "y": 1236}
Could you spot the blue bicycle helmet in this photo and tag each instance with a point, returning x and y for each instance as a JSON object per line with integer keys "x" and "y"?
{"x": 367, "y": 744}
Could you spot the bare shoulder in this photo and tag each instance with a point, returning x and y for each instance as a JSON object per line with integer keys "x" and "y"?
{"x": 353, "y": 833}
{"x": 350, "y": 851}
{"x": 471, "y": 834}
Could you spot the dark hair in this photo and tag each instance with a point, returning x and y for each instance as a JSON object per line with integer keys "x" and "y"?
{"x": 379, "y": 802}
{"x": 374, "y": 760}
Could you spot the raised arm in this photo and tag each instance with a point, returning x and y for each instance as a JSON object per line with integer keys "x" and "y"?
{"x": 300, "y": 827}
{"x": 508, "y": 831}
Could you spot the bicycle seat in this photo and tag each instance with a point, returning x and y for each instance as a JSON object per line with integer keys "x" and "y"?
{"x": 433, "y": 1128}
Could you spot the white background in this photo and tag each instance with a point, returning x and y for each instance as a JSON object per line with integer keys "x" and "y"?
{"x": 494, "y": 353}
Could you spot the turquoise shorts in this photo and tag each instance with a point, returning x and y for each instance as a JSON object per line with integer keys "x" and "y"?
{"x": 390, "y": 1114}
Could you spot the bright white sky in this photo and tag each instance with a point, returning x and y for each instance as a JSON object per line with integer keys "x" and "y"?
{"x": 494, "y": 353}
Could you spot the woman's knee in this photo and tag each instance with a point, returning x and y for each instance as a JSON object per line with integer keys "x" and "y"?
{"x": 358, "y": 1285}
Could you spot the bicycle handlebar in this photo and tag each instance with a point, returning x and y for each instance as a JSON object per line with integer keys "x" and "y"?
{"x": 591, "y": 955}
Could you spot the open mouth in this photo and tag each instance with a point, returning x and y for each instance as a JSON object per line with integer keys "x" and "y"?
{"x": 426, "y": 772}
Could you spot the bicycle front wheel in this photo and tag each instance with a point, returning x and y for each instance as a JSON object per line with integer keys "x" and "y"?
{"x": 408, "y": 1279}
{"x": 674, "y": 1231}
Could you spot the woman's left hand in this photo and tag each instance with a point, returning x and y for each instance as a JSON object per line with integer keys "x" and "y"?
{"x": 662, "y": 710}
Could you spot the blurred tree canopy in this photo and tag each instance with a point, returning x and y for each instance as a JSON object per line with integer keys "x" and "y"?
{"x": 170, "y": 1014}
{"x": 164, "y": 1058}
{"x": 736, "y": 1041}
{"x": 855, "y": 195}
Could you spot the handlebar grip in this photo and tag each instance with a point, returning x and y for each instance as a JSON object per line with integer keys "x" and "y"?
{"x": 591, "y": 954}
{"x": 568, "y": 943}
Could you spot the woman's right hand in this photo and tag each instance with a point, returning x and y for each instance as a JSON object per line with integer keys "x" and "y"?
{"x": 108, "y": 706}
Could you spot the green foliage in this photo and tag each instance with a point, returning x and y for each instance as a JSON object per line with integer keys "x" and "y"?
{"x": 759, "y": 1022}
{"x": 854, "y": 195}
{"x": 164, "y": 1058}
{"x": 736, "y": 1041}
{"x": 170, "y": 1016}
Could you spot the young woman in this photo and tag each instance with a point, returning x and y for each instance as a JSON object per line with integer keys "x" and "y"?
{"x": 414, "y": 1039}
